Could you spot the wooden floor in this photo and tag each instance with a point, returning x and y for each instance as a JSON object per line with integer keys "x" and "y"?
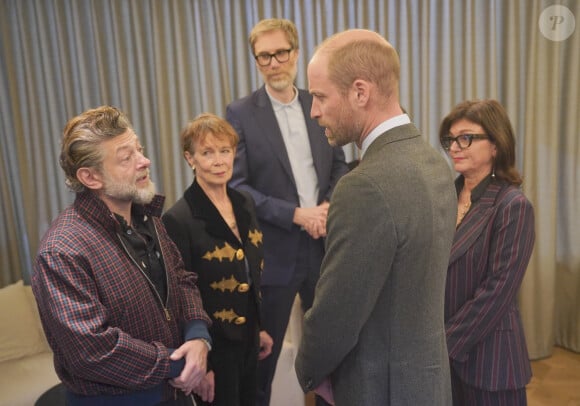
{"x": 555, "y": 381}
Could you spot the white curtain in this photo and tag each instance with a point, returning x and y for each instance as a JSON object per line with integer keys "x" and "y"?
{"x": 163, "y": 62}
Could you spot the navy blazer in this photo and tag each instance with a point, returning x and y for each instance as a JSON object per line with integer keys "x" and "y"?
{"x": 262, "y": 168}
{"x": 490, "y": 253}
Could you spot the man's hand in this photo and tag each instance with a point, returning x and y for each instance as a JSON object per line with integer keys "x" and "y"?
{"x": 324, "y": 390}
{"x": 266, "y": 343}
{"x": 195, "y": 354}
{"x": 206, "y": 389}
{"x": 312, "y": 219}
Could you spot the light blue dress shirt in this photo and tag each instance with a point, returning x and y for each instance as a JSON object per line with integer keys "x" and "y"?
{"x": 293, "y": 127}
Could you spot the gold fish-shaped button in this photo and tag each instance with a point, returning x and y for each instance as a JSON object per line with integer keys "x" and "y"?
{"x": 243, "y": 287}
{"x": 240, "y": 254}
{"x": 240, "y": 320}
{"x": 225, "y": 284}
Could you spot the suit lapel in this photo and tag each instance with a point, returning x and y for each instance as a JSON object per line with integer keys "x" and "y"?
{"x": 474, "y": 223}
{"x": 202, "y": 208}
{"x": 271, "y": 130}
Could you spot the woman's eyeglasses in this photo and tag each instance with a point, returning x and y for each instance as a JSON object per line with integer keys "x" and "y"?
{"x": 463, "y": 141}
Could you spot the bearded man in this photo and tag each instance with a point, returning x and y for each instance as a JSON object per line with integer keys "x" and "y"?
{"x": 285, "y": 163}
{"x": 122, "y": 315}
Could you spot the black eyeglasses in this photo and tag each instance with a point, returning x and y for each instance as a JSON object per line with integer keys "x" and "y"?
{"x": 281, "y": 56}
{"x": 463, "y": 141}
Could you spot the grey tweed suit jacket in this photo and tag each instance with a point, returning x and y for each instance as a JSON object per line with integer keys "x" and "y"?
{"x": 376, "y": 326}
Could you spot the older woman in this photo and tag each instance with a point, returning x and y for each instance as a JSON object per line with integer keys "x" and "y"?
{"x": 216, "y": 230}
{"x": 491, "y": 249}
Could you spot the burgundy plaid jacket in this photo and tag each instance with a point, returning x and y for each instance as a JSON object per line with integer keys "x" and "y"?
{"x": 107, "y": 326}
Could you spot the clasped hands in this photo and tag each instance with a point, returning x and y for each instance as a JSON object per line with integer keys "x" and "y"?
{"x": 206, "y": 389}
{"x": 312, "y": 219}
{"x": 194, "y": 378}
{"x": 195, "y": 354}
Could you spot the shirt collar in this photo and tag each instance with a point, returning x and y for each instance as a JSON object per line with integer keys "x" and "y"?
{"x": 278, "y": 105}
{"x": 385, "y": 126}
{"x": 477, "y": 191}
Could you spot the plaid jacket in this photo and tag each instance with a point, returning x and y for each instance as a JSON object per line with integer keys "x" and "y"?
{"x": 107, "y": 326}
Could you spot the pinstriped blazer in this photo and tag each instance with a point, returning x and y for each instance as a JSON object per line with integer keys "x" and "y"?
{"x": 489, "y": 256}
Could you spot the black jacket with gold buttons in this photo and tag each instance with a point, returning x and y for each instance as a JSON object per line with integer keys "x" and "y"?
{"x": 228, "y": 270}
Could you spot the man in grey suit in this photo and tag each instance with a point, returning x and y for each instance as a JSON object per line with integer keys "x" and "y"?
{"x": 285, "y": 163}
{"x": 375, "y": 333}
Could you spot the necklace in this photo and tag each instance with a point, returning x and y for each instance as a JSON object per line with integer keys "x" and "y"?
{"x": 464, "y": 209}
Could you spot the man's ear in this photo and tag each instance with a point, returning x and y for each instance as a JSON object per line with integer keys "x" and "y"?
{"x": 90, "y": 178}
{"x": 361, "y": 91}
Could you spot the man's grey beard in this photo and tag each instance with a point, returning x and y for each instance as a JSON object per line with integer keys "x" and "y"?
{"x": 282, "y": 84}
{"x": 144, "y": 196}
{"x": 122, "y": 192}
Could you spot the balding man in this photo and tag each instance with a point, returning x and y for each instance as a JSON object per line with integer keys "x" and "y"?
{"x": 375, "y": 333}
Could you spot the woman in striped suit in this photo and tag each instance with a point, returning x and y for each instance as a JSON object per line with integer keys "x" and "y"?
{"x": 490, "y": 253}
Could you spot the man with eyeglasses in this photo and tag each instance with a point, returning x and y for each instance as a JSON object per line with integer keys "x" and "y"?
{"x": 284, "y": 161}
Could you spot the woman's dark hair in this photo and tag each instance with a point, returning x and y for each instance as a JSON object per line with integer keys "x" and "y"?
{"x": 493, "y": 118}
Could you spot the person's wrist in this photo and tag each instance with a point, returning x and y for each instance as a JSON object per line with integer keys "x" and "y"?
{"x": 207, "y": 343}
